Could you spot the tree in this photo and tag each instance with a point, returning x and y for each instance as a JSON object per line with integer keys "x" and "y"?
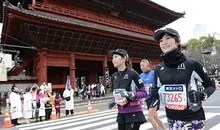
{"x": 202, "y": 50}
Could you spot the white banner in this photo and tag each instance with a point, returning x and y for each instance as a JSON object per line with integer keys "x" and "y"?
{"x": 3, "y": 68}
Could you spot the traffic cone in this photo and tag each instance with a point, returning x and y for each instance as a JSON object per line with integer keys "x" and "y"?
{"x": 89, "y": 108}
{"x": 7, "y": 121}
{"x": 53, "y": 114}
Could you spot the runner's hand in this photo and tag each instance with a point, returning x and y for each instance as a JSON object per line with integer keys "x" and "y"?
{"x": 111, "y": 104}
{"x": 196, "y": 96}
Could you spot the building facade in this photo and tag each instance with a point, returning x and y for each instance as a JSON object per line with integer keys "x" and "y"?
{"x": 73, "y": 37}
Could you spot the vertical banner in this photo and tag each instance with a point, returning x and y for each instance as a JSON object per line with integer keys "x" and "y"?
{"x": 67, "y": 81}
{"x": 3, "y": 68}
{"x": 49, "y": 85}
{"x": 107, "y": 77}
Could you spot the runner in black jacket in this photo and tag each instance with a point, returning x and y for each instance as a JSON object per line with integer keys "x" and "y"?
{"x": 128, "y": 92}
{"x": 175, "y": 84}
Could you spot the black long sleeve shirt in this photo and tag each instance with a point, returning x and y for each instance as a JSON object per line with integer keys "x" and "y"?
{"x": 186, "y": 71}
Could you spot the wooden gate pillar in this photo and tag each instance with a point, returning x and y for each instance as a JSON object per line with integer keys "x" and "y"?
{"x": 72, "y": 71}
{"x": 42, "y": 70}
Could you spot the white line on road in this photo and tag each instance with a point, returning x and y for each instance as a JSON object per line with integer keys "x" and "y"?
{"x": 92, "y": 125}
{"x": 87, "y": 122}
{"x": 110, "y": 127}
{"x": 209, "y": 115}
{"x": 211, "y": 107}
{"x": 216, "y": 127}
{"x": 68, "y": 119}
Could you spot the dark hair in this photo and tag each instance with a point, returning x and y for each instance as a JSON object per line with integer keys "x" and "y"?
{"x": 57, "y": 95}
{"x": 28, "y": 89}
{"x": 13, "y": 87}
{"x": 38, "y": 91}
{"x": 34, "y": 88}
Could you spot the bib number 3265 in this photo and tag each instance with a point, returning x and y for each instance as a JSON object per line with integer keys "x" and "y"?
{"x": 173, "y": 96}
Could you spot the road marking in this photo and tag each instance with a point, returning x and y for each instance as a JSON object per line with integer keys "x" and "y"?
{"x": 110, "y": 127}
{"x": 216, "y": 127}
{"x": 86, "y": 116}
{"x": 217, "y": 107}
{"x": 75, "y": 122}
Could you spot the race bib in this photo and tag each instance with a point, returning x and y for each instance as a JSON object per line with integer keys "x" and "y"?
{"x": 147, "y": 87}
{"x": 119, "y": 99}
{"x": 173, "y": 96}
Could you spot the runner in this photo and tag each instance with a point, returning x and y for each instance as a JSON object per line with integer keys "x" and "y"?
{"x": 128, "y": 90}
{"x": 175, "y": 79}
{"x": 148, "y": 79}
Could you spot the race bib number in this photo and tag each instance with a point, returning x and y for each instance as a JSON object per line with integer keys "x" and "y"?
{"x": 147, "y": 87}
{"x": 173, "y": 96}
{"x": 118, "y": 98}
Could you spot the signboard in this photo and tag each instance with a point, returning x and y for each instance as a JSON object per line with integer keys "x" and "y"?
{"x": 3, "y": 68}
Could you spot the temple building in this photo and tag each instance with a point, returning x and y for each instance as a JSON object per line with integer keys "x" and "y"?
{"x": 52, "y": 39}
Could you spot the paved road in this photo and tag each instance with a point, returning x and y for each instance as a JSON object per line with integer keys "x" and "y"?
{"x": 103, "y": 119}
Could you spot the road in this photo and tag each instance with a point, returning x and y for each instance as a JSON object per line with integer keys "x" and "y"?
{"x": 104, "y": 119}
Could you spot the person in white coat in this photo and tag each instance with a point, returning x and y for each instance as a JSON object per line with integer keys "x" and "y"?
{"x": 16, "y": 105}
{"x": 68, "y": 95}
{"x": 27, "y": 108}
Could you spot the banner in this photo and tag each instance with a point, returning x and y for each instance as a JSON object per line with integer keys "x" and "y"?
{"x": 67, "y": 81}
{"x": 3, "y": 68}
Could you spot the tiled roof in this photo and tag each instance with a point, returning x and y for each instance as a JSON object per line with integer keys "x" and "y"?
{"x": 75, "y": 22}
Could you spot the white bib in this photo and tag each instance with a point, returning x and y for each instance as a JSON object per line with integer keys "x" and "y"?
{"x": 173, "y": 96}
{"x": 118, "y": 97}
{"x": 147, "y": 86}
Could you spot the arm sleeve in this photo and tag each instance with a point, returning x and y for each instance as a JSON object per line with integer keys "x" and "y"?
{"x": 204, "y": 79}
{"x": 156, "y": 86}
{"x": 141, "y": 91}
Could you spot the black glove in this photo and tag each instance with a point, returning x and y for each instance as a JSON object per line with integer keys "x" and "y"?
{"x": 129, "y": 96}
{"x": 196, "y": 96}
{"x": 153, "y": 91}
{"x": 111, "y": 104}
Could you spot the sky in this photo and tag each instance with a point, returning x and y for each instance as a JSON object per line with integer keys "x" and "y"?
{"x": 204, "y": 12}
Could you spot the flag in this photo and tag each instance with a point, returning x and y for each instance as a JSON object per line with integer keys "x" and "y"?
{"x": 67, "y": 81}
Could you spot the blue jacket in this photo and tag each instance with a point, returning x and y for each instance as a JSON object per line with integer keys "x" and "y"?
{"x": 148, "y": 79}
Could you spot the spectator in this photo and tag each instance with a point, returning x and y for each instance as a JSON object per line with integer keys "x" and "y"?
{"x": 40, "y": 104}
{"x": 58, "y": 100}
{"x": 16, "y": 106}
{"x": 68, "y": 95}
{"x": 27, "y": 108}
{"x": 102, "y": 90}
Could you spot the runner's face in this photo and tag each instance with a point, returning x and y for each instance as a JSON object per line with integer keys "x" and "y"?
{"x": 144, "y": 66}
{"x": 118, "y": 60}
{"x": 168, "y": 43}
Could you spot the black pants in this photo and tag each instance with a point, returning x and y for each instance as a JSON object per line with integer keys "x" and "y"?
{"x": 129, "y": 126}
{"x": 67, "y": 112}
{"x": 48, "y": 113}
{"x": 15, "y": 121}
{"x": 57, "y": 111}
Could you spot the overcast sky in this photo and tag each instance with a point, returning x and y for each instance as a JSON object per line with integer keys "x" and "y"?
{"x": 205, "y": 12}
